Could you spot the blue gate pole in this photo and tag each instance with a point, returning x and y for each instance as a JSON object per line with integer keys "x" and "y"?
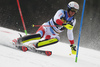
{"x": 80, "y": 30}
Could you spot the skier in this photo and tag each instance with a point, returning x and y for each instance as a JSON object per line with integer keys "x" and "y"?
{"x": 63, "y": 19}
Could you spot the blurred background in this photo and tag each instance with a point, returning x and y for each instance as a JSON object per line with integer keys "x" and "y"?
{"x": 40, "y": 11}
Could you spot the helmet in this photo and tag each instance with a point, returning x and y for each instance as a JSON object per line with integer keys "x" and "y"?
{"x": 73, "y": 6}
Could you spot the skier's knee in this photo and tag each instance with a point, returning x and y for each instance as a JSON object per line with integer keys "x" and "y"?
{"x": 48, "y": 37}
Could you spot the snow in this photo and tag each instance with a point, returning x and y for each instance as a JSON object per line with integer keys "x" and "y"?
{"x": 10, "y": 57}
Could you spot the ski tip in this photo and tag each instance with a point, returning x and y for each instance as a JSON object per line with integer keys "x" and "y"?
{"x": 20, "y": 34}
{"x": 48, "y": 53}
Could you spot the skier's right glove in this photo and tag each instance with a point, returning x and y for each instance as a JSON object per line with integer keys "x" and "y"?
{"x": 73, "y": 49}
{"x": 68, "y": 25}
{"x": 63, "y": 20}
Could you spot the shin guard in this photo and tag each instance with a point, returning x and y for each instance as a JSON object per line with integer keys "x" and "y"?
{"x": 29, "y": 38}
{"x": 46, "y": 42}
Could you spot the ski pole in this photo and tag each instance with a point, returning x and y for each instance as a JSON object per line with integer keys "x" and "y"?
{"x": 43, "y": 25}
{"x": 80, "y": 30}
{"x": 48, "y": 25}
{"x": 21, "y": 17}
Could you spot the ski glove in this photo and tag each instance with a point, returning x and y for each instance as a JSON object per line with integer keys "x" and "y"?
{"x": 63, "y": 20}
{"x": 69, "y": 25}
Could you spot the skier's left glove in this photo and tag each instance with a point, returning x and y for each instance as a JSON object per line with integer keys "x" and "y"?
{"x": 73, "y": 49}
{"x": 68, "y": 26}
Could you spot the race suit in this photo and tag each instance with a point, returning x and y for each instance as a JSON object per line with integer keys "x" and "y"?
{"x": 54, "y": 27}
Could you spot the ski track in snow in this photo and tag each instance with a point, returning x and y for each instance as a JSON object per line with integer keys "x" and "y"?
{"x": 60, "y": 58}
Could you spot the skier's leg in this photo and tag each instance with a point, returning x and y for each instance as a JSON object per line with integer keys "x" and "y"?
{"x": 46, "y": 42}
{"x": 29, "y": 38}
{"x": 25, "y": 39}
{"x": 39, "y": 34}
{"x": 50, "y": 39}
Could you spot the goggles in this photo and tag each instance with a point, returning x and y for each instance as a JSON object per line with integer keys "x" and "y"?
{"x": 74, "y": 10}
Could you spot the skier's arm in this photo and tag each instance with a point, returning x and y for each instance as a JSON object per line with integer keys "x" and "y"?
{"x": 70, "y": 33}
{"x": 70, "y": 36}
{"x": 57, "y": 18}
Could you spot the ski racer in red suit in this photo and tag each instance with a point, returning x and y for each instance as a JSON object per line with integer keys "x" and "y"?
{"x": 63, "y": 19}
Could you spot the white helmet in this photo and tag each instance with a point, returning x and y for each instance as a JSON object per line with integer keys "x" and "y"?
{"x": 73, "y": 6}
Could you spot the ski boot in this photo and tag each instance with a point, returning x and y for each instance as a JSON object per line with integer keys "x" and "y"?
{"x": 73, "y": 49}
{"x": 31, "y": 46}
{"x": 15, "y": 42}
{"x": 19, "y": 45}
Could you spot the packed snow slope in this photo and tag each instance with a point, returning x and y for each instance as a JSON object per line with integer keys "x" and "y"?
{"x": 37, "y": 12}
{"x": 10, "y": 57}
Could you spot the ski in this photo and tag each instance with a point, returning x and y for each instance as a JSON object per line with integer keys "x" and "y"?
{"x": 27, "y": 48}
